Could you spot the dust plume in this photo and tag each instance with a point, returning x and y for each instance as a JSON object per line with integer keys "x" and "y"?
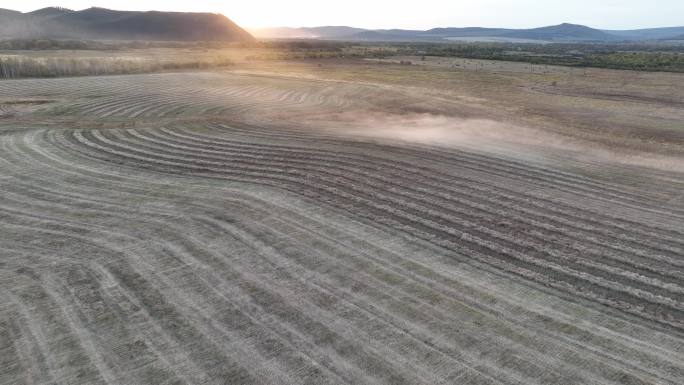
{"x": 511, "y": 139}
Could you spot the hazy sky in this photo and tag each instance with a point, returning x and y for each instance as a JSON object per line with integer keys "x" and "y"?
{"x": 418, "y": 14}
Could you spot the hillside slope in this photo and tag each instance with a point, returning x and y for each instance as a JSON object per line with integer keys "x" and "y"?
{"x": 565, "y": 31}
{"x": 649, "y": 33}
{"x": 107, "y": 24}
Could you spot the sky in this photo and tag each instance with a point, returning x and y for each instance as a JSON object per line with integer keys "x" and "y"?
{"x": 420, "y": 14}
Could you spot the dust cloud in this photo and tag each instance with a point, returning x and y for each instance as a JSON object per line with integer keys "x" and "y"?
{"x": 506, "y": 138}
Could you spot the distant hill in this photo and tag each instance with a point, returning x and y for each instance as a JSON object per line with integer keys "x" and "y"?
{"x": 106, "y": 24}
{"x": 565, "y": 32}
{"x": 8, "y": 12}
{"x": 50, "y": 12}
{"x": 7, "y": 17}
{"x": 649, "y": 33}
{"x": 561, "y": 32}
{"x": 13, "y": 23}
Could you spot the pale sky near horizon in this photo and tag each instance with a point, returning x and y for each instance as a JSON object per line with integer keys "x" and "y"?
{"x": 423, "y": 14}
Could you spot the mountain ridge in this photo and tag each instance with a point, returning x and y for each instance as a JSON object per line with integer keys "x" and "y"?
{"x": 652, "y": 33}
{"x": 565, "y": 32}
{"x": 106, "y": 24}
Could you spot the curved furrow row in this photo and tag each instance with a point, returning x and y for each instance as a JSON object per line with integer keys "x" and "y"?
{"x": 80, "y": 167}
{"x": 171, "y": 236}
{"x": 452, "y": 211}
{"x": 432, "y": 183}
{"x": 170, "y": 102}
{"x": 556, "y": 179}
{"x": 213, "y": 359}
{"x": 598, "y": 289}
{"x": 43, "y": 218}
{"x": 303, "y": 135}
{"x": 84, "y": 229}
{"x": 427, "y": 187}
{"x": 87, "y": 229}
{"x": 501, "y": 238}
{"x": 161, "y": 99}
{"x": 501, "y": 182}
{"x": 234, "y": 251}
{"x": 345, "y": 313}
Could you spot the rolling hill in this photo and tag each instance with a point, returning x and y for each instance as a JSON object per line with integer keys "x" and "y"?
{"x": 649, "y": 33}
{"x": 556, "y": 33}
{"x": 565, "y": 32}
{"x": 13, "y": 23}
{"x": 106, "y": 24}
{"x": 561, "y": 32}
{"x": 50, "y": 12}
{"x": 5, "y": 14}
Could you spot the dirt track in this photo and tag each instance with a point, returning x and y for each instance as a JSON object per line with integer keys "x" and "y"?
{"x": 177, "y": 228}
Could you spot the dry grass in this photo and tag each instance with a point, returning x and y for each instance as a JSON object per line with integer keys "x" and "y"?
{"x": 14, "y": 67}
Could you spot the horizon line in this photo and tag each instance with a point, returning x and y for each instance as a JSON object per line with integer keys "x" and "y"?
{"x": 253, "y": 27}
{"x": 459, "y": 27}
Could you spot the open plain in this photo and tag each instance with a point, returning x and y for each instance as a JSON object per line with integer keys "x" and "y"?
{"x": 343, "y": 222}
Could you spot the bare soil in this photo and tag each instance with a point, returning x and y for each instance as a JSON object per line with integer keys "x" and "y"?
{"x": 348, "y": 222}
